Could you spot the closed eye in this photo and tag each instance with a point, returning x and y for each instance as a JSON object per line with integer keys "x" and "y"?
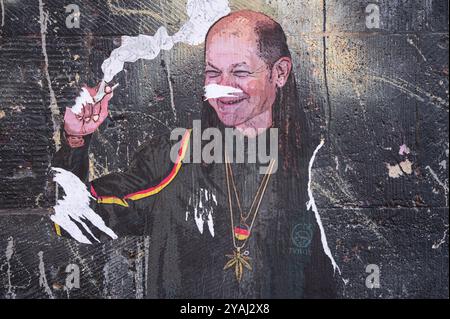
{"x": 242, "y": 74}
{"x": 212, "y": 73}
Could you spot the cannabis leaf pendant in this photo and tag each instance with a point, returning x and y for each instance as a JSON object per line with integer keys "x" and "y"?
{"x": 239, "y": 261}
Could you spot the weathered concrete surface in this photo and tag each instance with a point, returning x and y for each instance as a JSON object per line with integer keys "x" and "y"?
{"x": 366, "y": 91}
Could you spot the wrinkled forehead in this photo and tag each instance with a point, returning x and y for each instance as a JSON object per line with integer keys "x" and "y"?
{"x": 233, "y": 44}
{"x": 225, "y": 51}
{"x": 237, "y": 25}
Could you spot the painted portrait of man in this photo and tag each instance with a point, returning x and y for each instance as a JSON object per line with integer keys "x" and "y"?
{"x": 256, "y": 240}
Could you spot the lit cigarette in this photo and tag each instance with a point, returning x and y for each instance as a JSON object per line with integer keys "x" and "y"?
{"x": 101, "y": 91}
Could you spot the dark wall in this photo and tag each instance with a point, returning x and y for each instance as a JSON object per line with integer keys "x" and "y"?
{"x": 365, "y": 90}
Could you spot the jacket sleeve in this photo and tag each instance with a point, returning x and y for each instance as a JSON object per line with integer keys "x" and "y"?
{"x": 123, "y": 199}
{"x": 75, "y": 160}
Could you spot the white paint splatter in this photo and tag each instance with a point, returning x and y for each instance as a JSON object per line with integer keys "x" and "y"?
{"x": 397, "y": 170}
{"x": 442, "y": 241}
{"x": 3, "y": 12}
{"x": 171, "y": 91}
{"x": 146, "y": 260}
{"x": 202, "y": 204}
{"x": 410, "y": 41}
{"x": 75, "y": 207}
{"x": 404, "y": 149}
{"x": 75, "y": 251}
{"x": 25, "y": 277}
{"x": 413, "y": 91}
{"x": 202, "y": 15}
{"x": 436, "y": 178}
{"x": 139, "y": 273}
{"x": 117, "y": 272}
{"x": 348, "y": 168}
{"x": 215, "y": 91}
{"x": 443, "y": 164}
{"x": 42, "y": 278}
{"x": 83, "y": 99}
{"x": 210, "y": 224}
{"x": 43, "y": 20}
{"x": 311, "y": 205}
{"x": 9, "y": 253}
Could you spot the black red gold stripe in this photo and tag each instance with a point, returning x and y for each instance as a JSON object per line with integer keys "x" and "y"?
{"x": 152, "y": 190}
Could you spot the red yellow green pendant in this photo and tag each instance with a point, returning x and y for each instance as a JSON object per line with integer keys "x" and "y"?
{"x": 241, "y": 232}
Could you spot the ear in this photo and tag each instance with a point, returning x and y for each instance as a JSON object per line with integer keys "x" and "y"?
{"x": 281, "y": 70}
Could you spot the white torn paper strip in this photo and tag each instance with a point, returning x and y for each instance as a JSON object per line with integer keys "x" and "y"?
{"x": 83, "y": 99}
{"x": 203, "y": 203}
{"x": 75, "y": 207}
{"x": 202, "y": 15}
{"x": 215, "y": 91}
{"x": 312, "y": 205}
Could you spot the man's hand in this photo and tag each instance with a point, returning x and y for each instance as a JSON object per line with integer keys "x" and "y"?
{"x": 89, "y": 119}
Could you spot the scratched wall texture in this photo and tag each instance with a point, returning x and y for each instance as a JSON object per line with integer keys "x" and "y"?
{"x": 366, "y": 91}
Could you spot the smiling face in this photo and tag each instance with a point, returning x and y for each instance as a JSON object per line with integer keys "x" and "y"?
{"x": 232, "y": 59}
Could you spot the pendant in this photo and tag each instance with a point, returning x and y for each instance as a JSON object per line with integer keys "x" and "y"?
{"x": 241, "y": 232}
{"x": 239, "y": 261}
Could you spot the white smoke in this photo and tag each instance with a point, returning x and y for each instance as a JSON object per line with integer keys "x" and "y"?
{"x": 202, "y": 15}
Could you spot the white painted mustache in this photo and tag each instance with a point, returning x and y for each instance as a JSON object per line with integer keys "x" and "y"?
{"x": 215, "y": 91}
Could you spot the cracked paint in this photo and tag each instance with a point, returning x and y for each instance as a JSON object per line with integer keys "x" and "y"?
{"x": 441, "y": 184}
{"x": 54, "y": 110}
{"x": 9, "y": 252}
{"x": 42, "y": 277}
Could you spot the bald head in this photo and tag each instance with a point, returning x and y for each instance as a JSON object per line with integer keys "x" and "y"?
{"x": 240, "y": 22}
{"x": 247, "y": 50}
{"x": 267, "y": 34}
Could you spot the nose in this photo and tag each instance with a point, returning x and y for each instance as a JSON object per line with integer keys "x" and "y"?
{"x": 227, "y": 80}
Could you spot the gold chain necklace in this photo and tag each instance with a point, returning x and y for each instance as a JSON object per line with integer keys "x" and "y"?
{"x": 242, "y": 232}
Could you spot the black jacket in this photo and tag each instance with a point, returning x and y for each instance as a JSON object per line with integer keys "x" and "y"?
{"x": 183, "y": 209}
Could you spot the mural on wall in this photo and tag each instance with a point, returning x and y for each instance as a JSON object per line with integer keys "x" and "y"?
{"x": 224, "y": 149}
{"x": 249, "y": 87}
